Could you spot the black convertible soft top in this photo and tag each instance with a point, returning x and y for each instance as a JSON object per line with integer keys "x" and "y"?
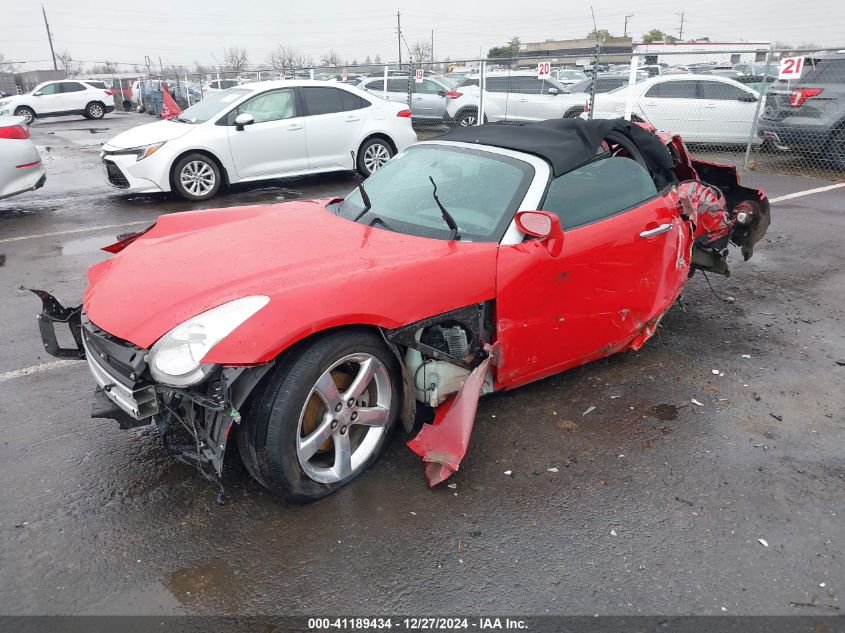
{"x": 567, "y": 143}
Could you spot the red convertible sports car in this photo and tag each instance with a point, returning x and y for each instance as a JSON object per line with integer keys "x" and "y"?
{"x": 479, "y": 261}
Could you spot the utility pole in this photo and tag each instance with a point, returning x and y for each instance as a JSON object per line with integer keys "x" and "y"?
{"x": 625, "y": 31}
{"x": 49, "y": 37}
{"x": 399, "y": 35}
{"x": 681, "y": 33}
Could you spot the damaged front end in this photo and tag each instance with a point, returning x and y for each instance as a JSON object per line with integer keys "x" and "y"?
{"x": 127, "y": 393}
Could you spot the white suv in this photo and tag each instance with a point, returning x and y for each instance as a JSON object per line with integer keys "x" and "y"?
{"x": 513, "y": 96}
{"x": 58, "y": 98}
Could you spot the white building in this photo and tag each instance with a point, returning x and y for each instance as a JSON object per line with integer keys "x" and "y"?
{"x": 682, "y": 53}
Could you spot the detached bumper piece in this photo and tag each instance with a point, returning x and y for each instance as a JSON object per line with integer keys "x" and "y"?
{"x": 443, "y": 444}
{"x": 54, "y": 312}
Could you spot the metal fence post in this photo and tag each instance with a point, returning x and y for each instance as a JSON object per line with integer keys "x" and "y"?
{"x": 482, "y": 86}
{"x": 384, "y": 85}
{"x": 632, "y": 79}
{"x": 762, "y": 98}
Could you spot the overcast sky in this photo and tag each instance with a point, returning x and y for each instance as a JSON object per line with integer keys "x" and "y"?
{"x": 182, "y": 32}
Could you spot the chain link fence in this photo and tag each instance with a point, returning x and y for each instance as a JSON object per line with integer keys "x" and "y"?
{"x": 734, "y": 106}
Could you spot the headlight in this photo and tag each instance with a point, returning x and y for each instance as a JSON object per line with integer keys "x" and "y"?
{"x": 140, "y": 153}
{"x": 176, "y": 357}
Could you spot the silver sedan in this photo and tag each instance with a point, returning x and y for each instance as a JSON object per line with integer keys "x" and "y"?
{"x": 20, "y": 164}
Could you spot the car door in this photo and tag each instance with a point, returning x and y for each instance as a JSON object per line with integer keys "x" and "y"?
{"x": 623, "y": 261}
{"x": 74, "y": 96}
{"x": 429, "y": 100}
{"x": 49, "y": 99}
{"x": 727, "y": 112}
{"x": 333, "y": 121}
{"x": 531, "y": 100}
{"x": 674, "y": 106}
{"x": 274, "y": 145}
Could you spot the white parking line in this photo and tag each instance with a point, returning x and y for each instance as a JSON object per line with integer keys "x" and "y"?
{"x": 72, "y": 231}
{"x": 26, "y": 371}
{"x": 808, "y": 192}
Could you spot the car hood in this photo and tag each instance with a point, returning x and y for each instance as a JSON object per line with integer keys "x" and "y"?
{"x": 150, "y": 133}
{"x": 319, "y": 271}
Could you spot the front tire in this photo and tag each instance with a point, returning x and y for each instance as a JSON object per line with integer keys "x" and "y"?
{"x": 95, "y": 110}
{"x": 372, "y": 156}
{"x": 323, "y": 417}
{"x": 26, "y": 113}
{"x": 836, "y": 149}
{"x": 196, "y": 177}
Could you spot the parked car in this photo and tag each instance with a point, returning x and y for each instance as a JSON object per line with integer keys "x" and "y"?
{"x": 478, "y": 262}
{"x": 511, "y": 96}
{"x": 218, "y": 85}
{"x": 604, "y": 83}
{"x": 257, "y": 131}
{"x": 568, "y": 76}
{"x": 701, "y": 108}
{"x": 59, "y": 98}
{"x": 808, "y": 115}
{"x": 428, "y": 98}
{"x": 757, "y": 69}
{"x": 20, "y": 165}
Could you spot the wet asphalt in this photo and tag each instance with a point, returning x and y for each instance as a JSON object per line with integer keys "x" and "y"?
{"x": 647, "y": 504}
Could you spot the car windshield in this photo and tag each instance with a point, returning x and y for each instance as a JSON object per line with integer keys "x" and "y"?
{"x": 480, "y": 190}
{"x": 211, "y": 106}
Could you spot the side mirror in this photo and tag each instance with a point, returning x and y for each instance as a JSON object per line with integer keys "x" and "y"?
{"x": 244, "y": 118}
{"x": 543, "y": 225}
{"x": 553, "y": 91}
{"x": 748, "y": 98}
{"x": 37, "y": 94}
{"x": 442, "y": 93}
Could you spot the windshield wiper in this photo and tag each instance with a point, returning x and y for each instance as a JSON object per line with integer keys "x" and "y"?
{"x": 378, "y": 220}
{"x": 447, "y": 217}
{"x": 364, "y": 196}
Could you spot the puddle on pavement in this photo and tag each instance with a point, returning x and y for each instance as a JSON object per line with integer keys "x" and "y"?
{"x": 17, "y": 212}
{"x": 86, "y": 244}
{"x": 215, "y": 584}
{"x": 664, "y": 412}
{"x": 2, "y": 260}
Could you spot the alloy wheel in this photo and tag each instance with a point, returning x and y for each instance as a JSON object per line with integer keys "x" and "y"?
{"x": 95, "y": 111}
{"x": 375, "y": 156}
{"x": 197, "y": 177}
{"x": 468, "y": 120}
{"x": 344, "y": 418}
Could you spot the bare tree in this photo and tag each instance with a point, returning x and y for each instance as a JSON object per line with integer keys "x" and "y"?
{"x": 421, "y": 51}
{"x": 332, "y": 58}
{"x": 101, "y": 69}
{"x": 67, "y": 63}
{"x": 236, "y": 59}
{"x": 284, "y": 58}
{"x": 5, "y": 66}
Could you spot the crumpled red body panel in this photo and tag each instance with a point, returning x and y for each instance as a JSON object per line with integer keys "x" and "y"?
{"x": 443, "y": 444}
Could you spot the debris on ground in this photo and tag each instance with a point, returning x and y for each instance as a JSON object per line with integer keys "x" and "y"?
{"x": 763, "y": 542}
{"x": 697, "y": 403}
{"x": 746, "y": 355}
{"x": 689, "y": 503}
{"x": 613, "y": 532}
{"x": 589, "y": 410}
{"x": 777, "y": 417}
{"x": 553, "y": 469}
{"x": 509, "y": 473}
{"x": 567, "y": 425}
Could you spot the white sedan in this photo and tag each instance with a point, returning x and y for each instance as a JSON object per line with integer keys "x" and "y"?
{"x": 259, "y": 131}
{"x": 20, "y": 165}
{"x": 702, "y": 109}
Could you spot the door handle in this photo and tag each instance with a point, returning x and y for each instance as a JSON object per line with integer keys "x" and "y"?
{"x": 709, "y": 105}
{"x": 295, "y": 126}
{"x": 523, "y": 99}
{"x": 657, "y": 231}
{"x": 351, "y": 119}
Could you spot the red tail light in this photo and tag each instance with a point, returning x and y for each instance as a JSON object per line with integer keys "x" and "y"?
{"x": 14, "y": 131}
{"x": 800, "y": 95}
{"x": 404, "y": 113}
{"x": 587, "y": 107}
{"x": 454, "y": 94}
{"x": 125, "y": 240}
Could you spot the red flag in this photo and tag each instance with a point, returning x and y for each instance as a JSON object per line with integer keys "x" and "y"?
{"x": 169, "y": 109}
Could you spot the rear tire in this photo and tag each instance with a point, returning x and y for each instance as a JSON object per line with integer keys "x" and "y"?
{"x": 26, "y": 113}
{"x": 95, "y": 110}
{"x": 836, "y": 149}
{"x": 467, "y": 118}
{"x": 372, "y": 156}
{"x": 196, "y": 177}
{"x": 289, "y": 410}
